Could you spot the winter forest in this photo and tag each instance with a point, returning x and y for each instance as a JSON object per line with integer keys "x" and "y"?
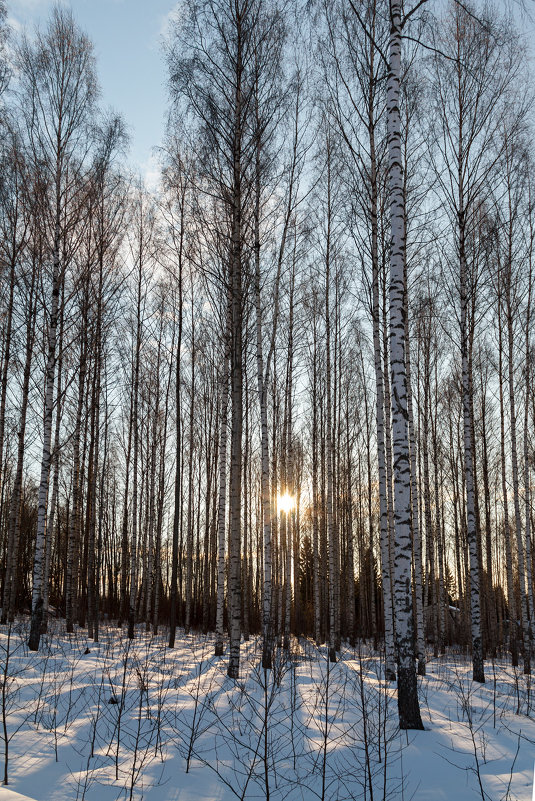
{"x": 267, "y": 431}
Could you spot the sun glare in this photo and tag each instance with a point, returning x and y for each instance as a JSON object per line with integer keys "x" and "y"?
{"x": 285, "y": 503}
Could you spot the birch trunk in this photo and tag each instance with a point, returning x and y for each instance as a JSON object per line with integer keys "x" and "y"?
{"x": 222, "y": 502}
{"x": 152, "y": 502}
{"x": 210, "y": 437}
{"x": 438, "y": 527}
{"x": 247, "y": 535}
{"x": 527, "y": 489}
{"x": 524, "y": 619}
{"x": 91, "y": 504}
{"x": 7, "y": 357}
{"x": 49, "y": 540}
{"x": 328, "y": 426}
{"x": 236, "y": 380}
{"x": 160, "y": 514}
{"x": 236, "y": 361}
{"x": 37, "y": 587}
{"x": 350, "y": 585}
{"x": 10, "y": 583}
{"x": 177, "y": 511}
{"x": 477, "y": 649}
{"x": 315, "y": 495}
{"x": 416, "y": 531}
{"x": 74, "y": 532}
{"x": 264, "y": 449}
{"x": 513, "y": 646}
{"x": 491, "y": 595}
{"x": 93, "y": 609}
{"x": 430, "y": 534}
{"x": 408, "y": 706}
{"x": 390, "y": 669}
{"x": 189, "y": 539}
{"x": 135, "y": 425}
{"x": 123, "y": 612}
{"x": 288, "y": 461}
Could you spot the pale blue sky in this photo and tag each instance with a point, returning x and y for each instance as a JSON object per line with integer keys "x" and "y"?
{"x": 127, "y": 36}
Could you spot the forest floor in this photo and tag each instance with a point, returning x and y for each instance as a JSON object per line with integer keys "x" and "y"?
{"x": 136, "y": 720}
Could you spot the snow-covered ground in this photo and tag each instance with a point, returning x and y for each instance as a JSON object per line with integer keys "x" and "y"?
{"x": 137, "y": 720}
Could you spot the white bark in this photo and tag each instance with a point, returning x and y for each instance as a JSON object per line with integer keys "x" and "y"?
{"x": 527, "y": 491}
{"x": 264, "y": 450}
{"x": 416, "y": 532}
{"x": 37, "y": 586}
{"x": 136, "y": 433}
{"x": 380, "y": 425}
{"x": 74, "y": 522}
{"x": 315, "y": 496}
{"x": 507, "y": 533}
{"x": 10, "y": 585}
{"x": 328, "y": 428}
{"x": 408, "y": 707}
{"x": 477, "y": 649}
{"x": 514, "y": 465}
{"x": 222, "y": 504}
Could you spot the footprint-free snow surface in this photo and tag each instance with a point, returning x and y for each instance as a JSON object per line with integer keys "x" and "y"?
{"x": 137, "y": 720}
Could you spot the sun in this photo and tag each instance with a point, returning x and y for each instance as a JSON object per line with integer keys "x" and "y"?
{"x": 285, "y": 503}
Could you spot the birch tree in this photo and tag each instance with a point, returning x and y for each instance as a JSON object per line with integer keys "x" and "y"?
{"x": 58, "y": 92}
{"x": 470, "y": 86}
{"x": 409, "y": 711}
{"x": 215, "y": 51}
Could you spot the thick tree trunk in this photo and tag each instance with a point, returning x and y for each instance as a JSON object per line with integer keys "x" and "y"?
{"x": 408, "y": 706}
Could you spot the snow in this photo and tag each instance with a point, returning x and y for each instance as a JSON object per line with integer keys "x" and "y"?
{"x": 8, "y": 795}
{"x": 182, "y": 731}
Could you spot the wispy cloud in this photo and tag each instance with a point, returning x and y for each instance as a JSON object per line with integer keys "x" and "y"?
{"x": 24, "y": 13}
{"x": 14, "y": 23}
{"x": 151, "y": 172}
{"x": 167, "y": 20}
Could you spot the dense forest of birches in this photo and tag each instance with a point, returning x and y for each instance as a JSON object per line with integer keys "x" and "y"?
{"x": 292, "y": 390}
